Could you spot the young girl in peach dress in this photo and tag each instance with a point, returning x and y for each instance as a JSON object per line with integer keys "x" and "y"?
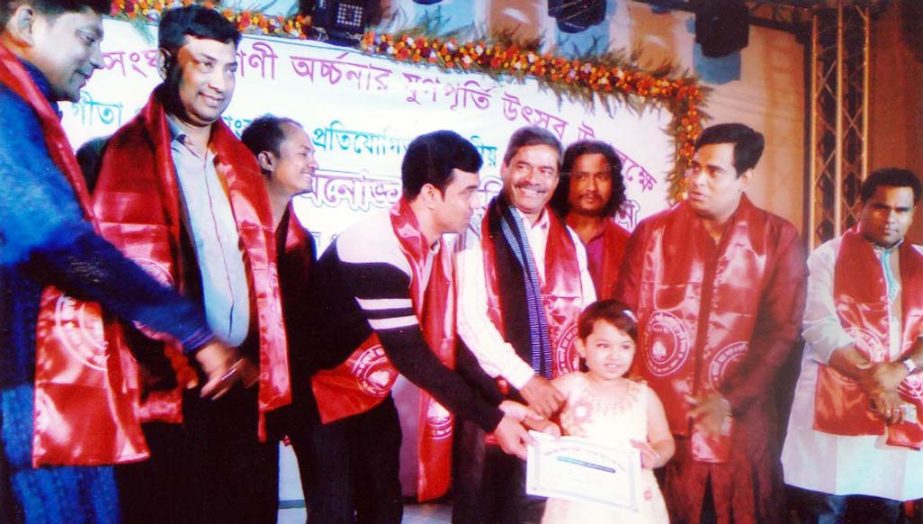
{"x": 604, "y": 405}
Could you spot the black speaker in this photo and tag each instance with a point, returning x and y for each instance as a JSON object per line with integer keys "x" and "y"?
{"x": 722, "y": 26}
{"x": 574, "y": 16}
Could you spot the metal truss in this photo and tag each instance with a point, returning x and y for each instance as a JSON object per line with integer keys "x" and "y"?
{"x": 838, "y": 128}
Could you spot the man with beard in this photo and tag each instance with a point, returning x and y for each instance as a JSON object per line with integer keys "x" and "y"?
{"x": 522, "y": 281}
{"x": 65, "y": 410}
{"x": 718, "y": 288}
{"x": 589, "y": 195}
{"x": 180, "y": 193}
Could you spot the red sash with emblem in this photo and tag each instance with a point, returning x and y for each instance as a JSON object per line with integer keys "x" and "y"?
{"x": 615, "y": 239}
{"x": 84, "y": 409}
{"x": 365, "y": 379}
{"x": 562, "y": 294}
{"x": 137, "y": 202}
{"x": 841, "y": 407}
{"x": 698, "y": 304}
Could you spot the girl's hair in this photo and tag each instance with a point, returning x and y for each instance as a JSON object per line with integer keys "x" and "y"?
{"x": 609, "y": 311}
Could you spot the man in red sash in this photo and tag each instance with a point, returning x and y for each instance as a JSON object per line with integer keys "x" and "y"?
{"x": 179, "y": 193}
{"x": 285, "y": 154}
{"x": 382, "y": 302}
{"x": 66, "y": 410}
{"x": 718, "y": 288}
{"x": 589, "y": 195}
{"x": 852, "y": 447}
{"x": 522, "y": 281}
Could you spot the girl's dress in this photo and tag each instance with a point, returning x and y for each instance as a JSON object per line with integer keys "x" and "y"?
{"x": 610, "y": 422}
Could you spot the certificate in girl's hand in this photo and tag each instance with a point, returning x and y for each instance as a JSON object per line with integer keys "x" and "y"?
{"x": 582, "y": 470}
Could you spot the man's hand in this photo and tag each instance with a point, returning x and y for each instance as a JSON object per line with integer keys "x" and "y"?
{"x": 882, "y": 377}
{"x": 850, "y": 362}
{"x": 709, "y": 411}
{"x": 516, "y": 410}
{"x": 544, "y": 425}
{"x": 513, "y": 437}
{"x": 223, "y": 367}
{"x": 888, "y": 406}
{"x": 542, "y": 397}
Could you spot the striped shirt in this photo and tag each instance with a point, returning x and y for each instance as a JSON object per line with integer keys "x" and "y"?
{"x": 362, "y": 284}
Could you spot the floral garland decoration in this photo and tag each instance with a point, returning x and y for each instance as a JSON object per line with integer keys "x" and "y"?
{"x": 584, "y": 79}
{"x": 249, "y": 22}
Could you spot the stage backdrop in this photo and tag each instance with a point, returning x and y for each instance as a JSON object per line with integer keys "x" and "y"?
{"x": 362, "y": 112}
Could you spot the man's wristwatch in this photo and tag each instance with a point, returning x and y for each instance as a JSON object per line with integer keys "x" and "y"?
{"x": 910, "y": 366}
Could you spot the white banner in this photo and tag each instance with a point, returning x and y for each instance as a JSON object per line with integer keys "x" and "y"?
{"x": 362, "y": 111}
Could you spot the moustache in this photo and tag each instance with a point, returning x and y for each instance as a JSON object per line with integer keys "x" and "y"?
{"x": 532, "y": 185}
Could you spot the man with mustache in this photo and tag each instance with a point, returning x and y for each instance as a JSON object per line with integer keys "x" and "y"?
{"x": 180, "y": 193}
{"x": 718, "y": 288}
{"x": 589, "y": 195}
{"x": 381, "y": 302}
{"x": 65, "y": 411}
{"x": 522, "y": 281}
{"x": 852, "y": 448}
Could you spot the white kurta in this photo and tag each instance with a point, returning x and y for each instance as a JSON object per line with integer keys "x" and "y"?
{"x": 834, "y": 464}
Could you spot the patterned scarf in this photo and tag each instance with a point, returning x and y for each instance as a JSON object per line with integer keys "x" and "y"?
{"x": 514, "y": 232}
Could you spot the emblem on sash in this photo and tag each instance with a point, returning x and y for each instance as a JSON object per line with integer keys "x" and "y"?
{"x": 565, "y": 351}
{"x": 866, "y": 343}
{"x": 723, "y": 360}
{"x": 81, "y": 331}
{"x": 374, "y": 372}
{"x": 439, "y": 420}
{"x": 665, "y": 342}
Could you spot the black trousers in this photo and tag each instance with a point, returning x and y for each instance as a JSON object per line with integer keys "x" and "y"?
{"x": 210, "y": 469}
{"x": 814, "y": 507}
{"x": 350, "y": 469}
{"x": 489, "y": 486}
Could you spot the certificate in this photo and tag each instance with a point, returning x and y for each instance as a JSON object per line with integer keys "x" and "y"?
{"x": 582, "y": 470}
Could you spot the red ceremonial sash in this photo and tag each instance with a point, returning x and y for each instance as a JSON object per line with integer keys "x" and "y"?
{"x": 841, "y": 407}
{"x": 365, "y": 379}
{"x": 615, "y": 239}
{"x": 562, "y": 294}
{"x": 84, "y": 409}
{"x": 137, "y": 201}
{"x": 698, "y": 304}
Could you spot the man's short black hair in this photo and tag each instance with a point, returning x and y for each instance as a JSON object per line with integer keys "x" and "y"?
{"x": 430, "y": 159}
{"x": 748, "y": 144}
{"x": 196, "y": 21}
{"x": 559, "y": 201}
{"x": 53, "y": 8}
{"x": 531, "y": 136}
{"x": 890, "y": 177}
{"x": 266, "y": 134}
{"x": 175, "y": 26}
